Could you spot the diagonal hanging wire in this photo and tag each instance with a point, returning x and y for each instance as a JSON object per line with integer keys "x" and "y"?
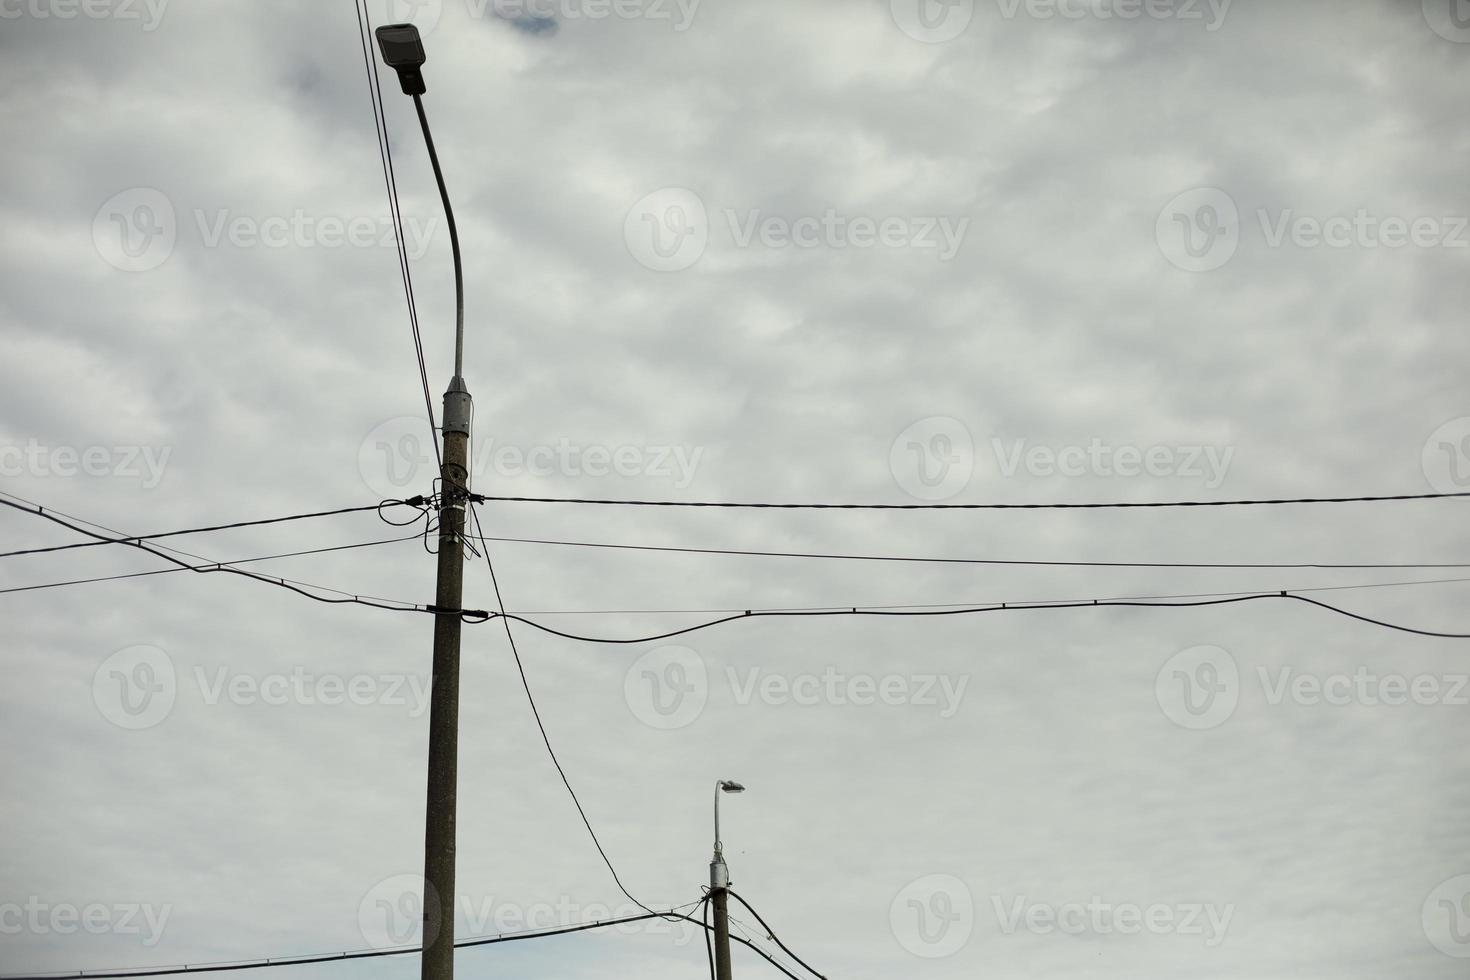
{"x": 536, "y": 713}
{"x": 390, "y": 180}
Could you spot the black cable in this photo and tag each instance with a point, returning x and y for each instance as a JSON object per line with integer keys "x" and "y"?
{"x": 421, "y": 503}
{"x": 536, "y": 713}
{"x": 707, "y": 611}
{"x": 709, "y": 947}
{"x": 219, "y": 567}
{"x": 968, "y": 561}
{"x": 233, "y": 561}
{"x": 772, "y": 934}
{"x": 202, "y": 560}
{"x": 355, "y": 954}
{"x": 973, "y": 610}
{"x": 1052, "y": 506}
{"x": 390, "y": 179}
{"x": 216, "y": 527}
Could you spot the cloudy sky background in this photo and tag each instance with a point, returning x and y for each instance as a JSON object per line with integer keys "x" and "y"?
{"x": 1075, "y": 152}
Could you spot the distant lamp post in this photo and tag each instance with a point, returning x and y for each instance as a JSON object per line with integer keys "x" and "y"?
{"x": 719, "y": 882}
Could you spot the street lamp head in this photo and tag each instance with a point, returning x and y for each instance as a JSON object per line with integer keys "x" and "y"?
{"x": 404, "y": 53}
{"x": 731, "y": 786}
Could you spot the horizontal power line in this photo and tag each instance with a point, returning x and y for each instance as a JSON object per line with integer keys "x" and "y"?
{"x": 363, "y": 954}
{"x": 975, "y": 610}
{"x": 1047, "y": 506}
{"x": 411, "y": 502}
{"x": 299, "y": 588}
{"x": 971, "y": 561}
{"x": 838, "y": 606}
{"x": 232, "y": 561}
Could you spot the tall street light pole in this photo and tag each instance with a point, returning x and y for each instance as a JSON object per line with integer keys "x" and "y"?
{"x": 719, "y": 884}
{"x": 404, "y": 52}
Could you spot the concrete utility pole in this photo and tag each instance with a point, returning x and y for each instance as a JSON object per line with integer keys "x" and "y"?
{"x": 404, "y": 52}
{"x": 719, "y": 884}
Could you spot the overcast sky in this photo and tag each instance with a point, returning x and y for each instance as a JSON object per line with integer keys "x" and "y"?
{"x": 991, "y": 251}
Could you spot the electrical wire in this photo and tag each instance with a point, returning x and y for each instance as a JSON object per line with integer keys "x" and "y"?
{"x": 413, "y": 501}
{"x": 746, "y": 930}
{"x": 203, "y": 561}
{"x": 536, "y": 713}
{"x": 969, "y": 561}
{"x": 973, "y": 610}
{"x": 390, "y": 180}
{"x": 298, "y": 588}
{"x": 354, "y": 954}
{"x": 772, "y": 934}
{"x": 709, "y": 947}
{"x": 707, "y": 611}
{"x": 234, "y": 561}
{"x": 1048, "y": 506}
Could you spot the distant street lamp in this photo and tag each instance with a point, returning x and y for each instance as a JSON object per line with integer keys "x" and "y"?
{"x": 719, "y": 883}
